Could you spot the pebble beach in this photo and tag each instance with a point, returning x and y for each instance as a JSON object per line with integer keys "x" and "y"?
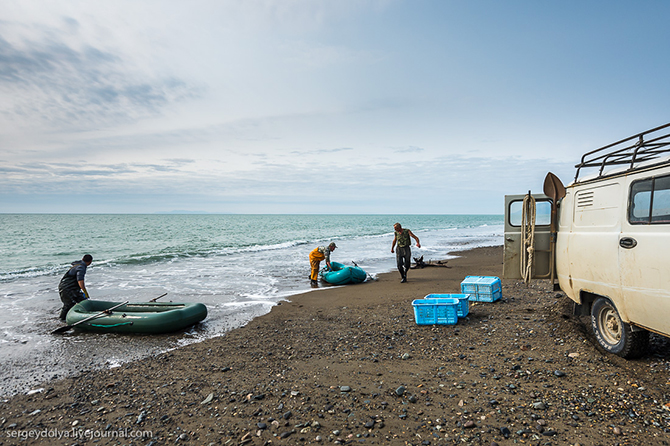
{"x": 349, "y": 365}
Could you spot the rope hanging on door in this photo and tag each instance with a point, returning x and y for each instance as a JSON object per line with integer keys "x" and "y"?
{"x": 527, "y": 237}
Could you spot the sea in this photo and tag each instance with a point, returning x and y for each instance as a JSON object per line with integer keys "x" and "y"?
{"x": 239, "y": 266}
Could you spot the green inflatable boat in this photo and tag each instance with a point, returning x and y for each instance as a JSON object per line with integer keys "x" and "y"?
{"x": 342, "y": 274}
{"x": 141, "y": 317}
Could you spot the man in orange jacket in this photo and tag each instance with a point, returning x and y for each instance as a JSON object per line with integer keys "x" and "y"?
{"x": 315, "y": 257}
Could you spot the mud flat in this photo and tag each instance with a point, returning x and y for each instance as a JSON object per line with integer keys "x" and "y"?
{"x": 349, "y": 365}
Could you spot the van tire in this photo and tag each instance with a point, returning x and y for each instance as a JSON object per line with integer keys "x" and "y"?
{"x": 613, "y": 334}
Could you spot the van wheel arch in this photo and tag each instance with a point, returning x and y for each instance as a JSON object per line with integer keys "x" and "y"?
{"x": 613, "y": 334}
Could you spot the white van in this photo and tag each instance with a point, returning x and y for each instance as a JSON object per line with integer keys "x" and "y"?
{"x": 609, "y": 246}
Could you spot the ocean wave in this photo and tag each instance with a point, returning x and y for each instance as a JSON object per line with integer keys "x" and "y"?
{"x": 28, "y": 273}
{"x": 121, "y": 249}
{"x": 260, "y": 248}
{"x": 250, "y": 303}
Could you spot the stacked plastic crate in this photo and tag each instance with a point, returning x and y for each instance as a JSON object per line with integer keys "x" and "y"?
{"x": 482, "y": 288}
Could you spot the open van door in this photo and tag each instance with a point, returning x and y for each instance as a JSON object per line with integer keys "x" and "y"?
{"x": 542, "y": 261}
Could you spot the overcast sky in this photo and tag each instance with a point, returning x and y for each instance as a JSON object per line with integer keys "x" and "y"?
{"x": 307, "y": 106}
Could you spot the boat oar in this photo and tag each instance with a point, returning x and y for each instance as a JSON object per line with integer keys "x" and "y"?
{"x": 156, "y": 298}
{"x": 68, "y": 327}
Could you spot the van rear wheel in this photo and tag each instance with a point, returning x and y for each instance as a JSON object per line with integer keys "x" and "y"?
{"x": 613, "y": 334}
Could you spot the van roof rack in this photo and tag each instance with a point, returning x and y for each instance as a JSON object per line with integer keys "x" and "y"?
{"x": 631, "y": 151}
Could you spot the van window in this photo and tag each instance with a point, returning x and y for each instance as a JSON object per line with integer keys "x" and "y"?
{"x": 650, "y": 201}
{"x": 542, "y": 213}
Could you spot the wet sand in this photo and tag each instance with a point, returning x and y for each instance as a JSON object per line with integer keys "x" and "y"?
{"x": 349, "y": 365}
{"x": 50, "y": 356}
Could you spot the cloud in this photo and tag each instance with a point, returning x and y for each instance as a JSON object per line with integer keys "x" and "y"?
{"x": 409, "y": 149}
{"x": 12, "y": 170}
{"x": 316, "y": 55}
{"x": 446, "y": 184}
{"x": 27, "y": 178}
{"x": 47, "y": 79}
{"x": 320, "y": 151}
{"x": 304, "y": 104}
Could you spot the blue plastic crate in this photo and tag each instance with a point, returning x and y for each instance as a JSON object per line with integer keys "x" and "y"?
{"x": 486, "y": 297}
{"x": 436, "y": 311}
{"x": 482, "y": 288}
{"x": 463, "y": 302}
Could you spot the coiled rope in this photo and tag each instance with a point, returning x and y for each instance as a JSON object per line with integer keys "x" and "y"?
{"x": 527, "y": 237}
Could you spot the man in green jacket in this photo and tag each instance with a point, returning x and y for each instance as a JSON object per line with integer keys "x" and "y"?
{"x": 404, "y": 251}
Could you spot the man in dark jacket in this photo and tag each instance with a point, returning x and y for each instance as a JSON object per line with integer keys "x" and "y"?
{"x": 71, "y": 288}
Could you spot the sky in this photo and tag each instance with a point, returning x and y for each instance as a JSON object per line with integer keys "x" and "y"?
{"x": 308, "y": 106}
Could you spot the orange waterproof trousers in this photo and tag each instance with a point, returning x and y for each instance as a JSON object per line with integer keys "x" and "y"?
{"x": 315, "y": 258}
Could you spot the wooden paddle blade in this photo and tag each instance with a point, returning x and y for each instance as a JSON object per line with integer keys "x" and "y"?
{"x": 553, "y": 187}
{"x": 156, "y": 298}
{"x": 61, "y": 329}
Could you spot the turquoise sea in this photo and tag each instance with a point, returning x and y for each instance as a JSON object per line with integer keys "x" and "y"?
{"x": 238, "y": 265}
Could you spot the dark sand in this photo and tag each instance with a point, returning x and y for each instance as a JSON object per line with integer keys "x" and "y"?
{"x": 330, "y": 367}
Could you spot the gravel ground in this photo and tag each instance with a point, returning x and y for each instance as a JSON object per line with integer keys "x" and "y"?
{"x": 349, "y": 365}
